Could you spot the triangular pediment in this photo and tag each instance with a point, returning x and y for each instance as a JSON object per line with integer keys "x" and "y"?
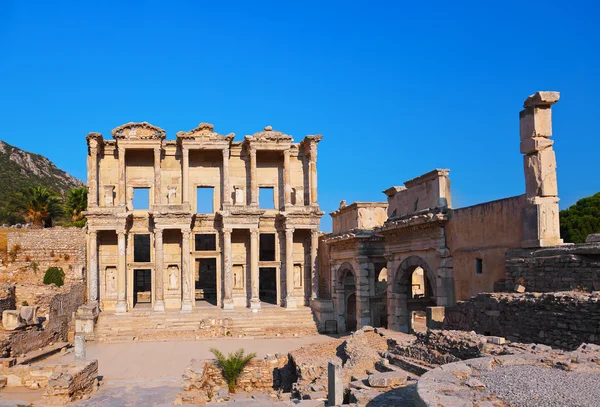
{"x": 204, "y": 132}
{"x": 138, "y": 131}
{"x": 268, "y": 134}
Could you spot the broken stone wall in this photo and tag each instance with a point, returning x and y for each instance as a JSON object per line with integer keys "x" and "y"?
{"x": 37, "y": 250}
{"x": 559, "y": 268}
{"x": 7, "y": 298}
{"x": 485, "y": 232}
{"x": 359, "y": 215}
{"x": 561, "y": 319}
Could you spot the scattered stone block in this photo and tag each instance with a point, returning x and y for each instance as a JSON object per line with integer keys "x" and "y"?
{"x": 593, "y": 238}
{"x": 335, "y": 395}
{"x": 519, "y": 288}
{"x": 8, "y": 362}
{"x": 497, "y": 340}
{"x": 10, "y": 320}
{"x": 388, "y": 379}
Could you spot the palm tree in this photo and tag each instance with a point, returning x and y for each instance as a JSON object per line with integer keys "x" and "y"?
{"x": 232, "y": 365}
{"x": 36, "y": 205}
{"x": 76, "y": 203}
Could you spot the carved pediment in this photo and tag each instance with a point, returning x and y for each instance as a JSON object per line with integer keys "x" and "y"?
{"x": 204, "y": 132}
{"x": 268, "y": 134}
{"x": 138, "y": 131}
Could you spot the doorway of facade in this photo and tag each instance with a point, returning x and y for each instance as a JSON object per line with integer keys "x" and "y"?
{"x": 267, "y": 285}
{"x": 142, "y": 287}
{"x": 205, "y": 283}
{"x": 351, "y": 312}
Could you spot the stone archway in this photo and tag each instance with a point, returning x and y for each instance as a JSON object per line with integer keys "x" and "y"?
{"x": 345, "y": 288}
{"x": 414, "y": 289}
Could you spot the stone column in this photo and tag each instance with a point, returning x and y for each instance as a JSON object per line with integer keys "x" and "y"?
{"x": 159, "y": 303}
{"x": 227, "y": 272}
{"x": 157, "y": 193}
{"x": 366, "y": 272}
{"x": 313, "y": 174}
{"x": 290, "y": 299}
{"x": 287, "y": 188}
{"x": 540, "y": 215}
{"x": 254, "y": 280}
{"x": 186, "y": 274}
{"x": 93, "y": 174}
{"x": 185, "y": 176}
{"x": 79, "y": 347}
{"x": 225, "y": 175}
{"x": 93, "y": 266}
{"x": 253, "y": 176}
{"x": 122, "y": 176}
{"x": 314, "y": 263}
{"x": 122, "y": 273}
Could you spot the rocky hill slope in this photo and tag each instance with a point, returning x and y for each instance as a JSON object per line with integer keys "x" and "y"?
{"x": 19, "y": 169}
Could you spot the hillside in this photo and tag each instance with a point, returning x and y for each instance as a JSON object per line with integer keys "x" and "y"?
{"x": 19, "y": 169}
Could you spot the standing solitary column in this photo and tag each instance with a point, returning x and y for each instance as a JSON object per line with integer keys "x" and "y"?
{"x": 159, "y": 304}
{"x": 121, "y": 273}
{"x": 122, "y": 176}
{"x": 185, "y": 193}
{"x": 157, "y": 176}
{"x": 253, "y": 181}
{"x": 290, "y": 299}
{"x": 93, "y": 266}
{"x": 186, "y": 275}
{"x": 314, "y": 263}
{"x": 287, "y": 188}
{"x": 228, "y": 275}
{"x": 225, "y": 175}
{"x": 313, "y": 174}
{"x": 254, "y": 281}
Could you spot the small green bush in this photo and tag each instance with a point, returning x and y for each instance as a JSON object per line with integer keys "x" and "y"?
{"x": 25, "y": 303}
{"x": 232, "y": 365}
{"x": 55, "y": 275}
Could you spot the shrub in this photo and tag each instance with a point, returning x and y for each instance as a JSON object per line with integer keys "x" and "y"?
{"x": 232, "y": 365}
{"x": 34, "y": 266}
{"x": 55, "y": 275}
{"x": 14, "y": 252}
{"x": 25, "y": 303}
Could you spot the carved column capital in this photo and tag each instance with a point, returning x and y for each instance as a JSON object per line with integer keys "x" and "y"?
{"x": 254, "y": 233}
{"x": 226, "y": 230}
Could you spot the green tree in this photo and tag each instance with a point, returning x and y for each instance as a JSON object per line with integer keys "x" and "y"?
{"x": 232, "y": 365}
{"x": 54, "y": 275}
{"x": 75, "y": 204}
{"x": 35, "y": 205}
{"x": 580, "y": 219}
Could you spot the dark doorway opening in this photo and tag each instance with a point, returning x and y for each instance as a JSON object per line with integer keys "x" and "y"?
{"x": 267, "y": 247}
{"x": 142, "y": 287}
{"x": 206, "y": 280}
{"x": 267, "y": 284}
{"x": 351, "y": 312}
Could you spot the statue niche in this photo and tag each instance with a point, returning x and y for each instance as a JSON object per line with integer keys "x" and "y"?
{"x": 173, "y": 273}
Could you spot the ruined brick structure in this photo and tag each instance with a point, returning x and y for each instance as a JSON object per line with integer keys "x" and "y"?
{"x": 175, "y": 221}
{"x": 384, "y": 261}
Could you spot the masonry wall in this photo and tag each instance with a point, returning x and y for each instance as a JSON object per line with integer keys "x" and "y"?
{"x": 7, "y": 298}
{"x": 555, "y": 268}
{"x": 486, "y": 231}
{"x": 561, "y": 319}
{"x": 430, "y": 190}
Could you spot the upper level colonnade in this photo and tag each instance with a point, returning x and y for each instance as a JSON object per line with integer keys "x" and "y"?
{"x": 139, "y": 162}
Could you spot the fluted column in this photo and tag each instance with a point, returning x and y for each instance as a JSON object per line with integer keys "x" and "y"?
{"x": 254, "y": 280}
{"x": 290, "y": 299}
{"x": 287, "y": 188}
{"x": 93, "y": 266}
{"x": 185, "y": 192}
{"x": 159, "y": 303}
{"x": 93, "y": 174}
{"x": 122, "y": 176}
{"x": 314, "y": 263}
{"x": 186, "y": 275}
{"x": 157, "y": 194}
{"x": 227, "y": 272}
{"x": 225, "y": 175}
{"x": 122, "y": 273}
{"x": 253, "y": 178}
{"x": 313, "y": 174}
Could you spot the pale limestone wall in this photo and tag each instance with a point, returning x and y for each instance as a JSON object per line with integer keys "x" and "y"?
{"x": 485, "y": 231}
{"x": 108, "y": 173}
{"x": 359, "y": 215}
{"x": 430, "y": 190}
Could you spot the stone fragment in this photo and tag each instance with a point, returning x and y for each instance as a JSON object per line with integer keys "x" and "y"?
{"x": 592, "y": 238}
{"x": 335, "y": 387}
{"x": 534, "y": 144}
{"x": 519, "y": 288}
{"x": 80, "y": 354}
{"x": 10, "y": 320}
{"x": 497, "y": 340}
{"x": 540, "y": 174}
{"x": 8, "y": 362}
{"x": 387, "y": 379}
{"x": 542, "y": 98}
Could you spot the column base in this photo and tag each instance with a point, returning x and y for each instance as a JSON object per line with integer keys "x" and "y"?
{"x": 228, "y": 304}
{"x": 254, "y": 304}
{"x": 186, "y": 306}
{"x": 291, "y": 302}
{"x": 121, "y": 307}
{"x": 159, "y": 306}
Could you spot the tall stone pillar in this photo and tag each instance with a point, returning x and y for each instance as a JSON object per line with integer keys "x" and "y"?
{"x": 254, "y": 280}
{"x": 227, "y": 272}
{"x": 290, "y": 299}
{"x": 287, "y": 188}
{"x": 159, "y": 303}
{"x": 93, "y": 174}
{"x": 93, "y": 266}
{"x": 540, "y": 215}
{"x": 225, "y": 175}
{"x": 185, "y": 190}
{"x": 314, "y": 264}
{"x": 313, "y": 174}
{"x": 365, "y": 273}
{"x": 122, "y": 177}
{"x": 157, "y": 193}
{"x": 122, "y": 273}
{"x": 253, "y": 178}
{"x": 186, "y": 273}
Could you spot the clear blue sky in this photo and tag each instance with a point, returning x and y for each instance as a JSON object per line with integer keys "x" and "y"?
{"x": 395, "y": 89}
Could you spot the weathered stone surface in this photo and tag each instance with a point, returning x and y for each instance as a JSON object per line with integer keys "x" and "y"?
{"x": 542, "y": 98}
{"x": 388, "y": 379}
{"x": 335, "y": 386}
{"x": 593, "y": 238}
{"x": 540, "y": 173}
